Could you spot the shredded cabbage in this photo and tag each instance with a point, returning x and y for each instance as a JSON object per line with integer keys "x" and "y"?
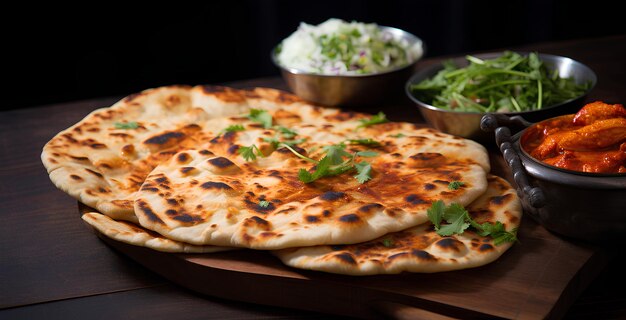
{"x": 336, "y": 47}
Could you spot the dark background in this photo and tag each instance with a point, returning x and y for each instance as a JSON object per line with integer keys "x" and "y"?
{"x": 55, "y": 53}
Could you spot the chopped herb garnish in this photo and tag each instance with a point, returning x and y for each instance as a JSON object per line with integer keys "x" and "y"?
{"x": 376, "y": 119}
{"x": 250, "y": 153}
{"x": 264, "y": 204}
{"x": 336, "y": 161}
{"x": 275, "y": 141}
{"x": 286, "y": 132}
{"x": 455, "y": 185}
{"x": 126, "y": 125}
{"x": 367, "y": 153}
{"x": 232, "y": 128}
{"x": 496, "y": 231}
{"x": 364, "y": 170}
{"x": 261, "y": 116}
{"x": 367, "y": 142}
{"x": 388, "y": 242}
{"x": 435, "y": 213}
{"x": 458, "y": 219}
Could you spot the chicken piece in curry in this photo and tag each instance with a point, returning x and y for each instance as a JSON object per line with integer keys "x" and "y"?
{"x": 592, "y": 140}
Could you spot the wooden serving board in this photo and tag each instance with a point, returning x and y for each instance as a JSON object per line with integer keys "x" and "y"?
{"x": 540, "y": 277}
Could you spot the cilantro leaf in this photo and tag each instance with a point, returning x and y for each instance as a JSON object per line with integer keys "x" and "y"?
{"x": 376, "y": 119}
{"x": 388, "y": 242}
{"x": 497, "y": 232}
{"x": 276, "y": 142}
{"x": 336, "y": 153}
{"x": 505, "y": 236}
{"x": 455, "y": 185}
{"x": 367, "y": 153}
{"x": 250, "y": 153}
{"x": 487, "y": 228}
{"x": 286, "y": 132}
{"x": 457, "y": 217}
{"x": 298, "y": 154}
{"x": 261, "y": 116}
{"x": 305, "y": 176}
{"x": 435, "y": 213}
{"x": 459, "y": 220}
{"x": 336, "y": 161}
{"x": 321, "y": 169}
{"x": 126, "y": 125}
{"x": 367, "y": 142}
{"x": 264, "y": 204}
{"x": 364, "y": 170}
{"x": 232, "y": 128}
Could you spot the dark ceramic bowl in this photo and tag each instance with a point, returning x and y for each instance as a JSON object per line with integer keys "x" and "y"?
{"x": 467, "y": 124}
{"x": 586, "y": 206}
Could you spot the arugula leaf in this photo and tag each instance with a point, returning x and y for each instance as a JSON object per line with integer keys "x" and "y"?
{"x": 261, "y": 116}
{"x": 250, "y": 153}
{"x": 435, "y": 213}
{"x": 376, "y": 119}
{"x": 364, "y": 170}
{"x": 398, "y": 135}
{"x": 264, "y": 204}
{"x": 455, "y": 185}
{"x": 367, "y": 142}
{"x": 510, "y": 82}
{"x": 126, "y": 125}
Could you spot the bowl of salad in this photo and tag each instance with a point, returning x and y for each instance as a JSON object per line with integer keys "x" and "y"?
{"x": 453, "y": 96}
{"x": 339, "y": 63}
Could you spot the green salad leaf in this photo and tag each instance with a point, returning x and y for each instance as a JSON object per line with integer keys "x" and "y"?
{"x": 508, "y": 83}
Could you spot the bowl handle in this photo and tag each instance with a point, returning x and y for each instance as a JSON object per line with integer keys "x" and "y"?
{"x": 499, "y": 123}
{"x": 491, "y": 121}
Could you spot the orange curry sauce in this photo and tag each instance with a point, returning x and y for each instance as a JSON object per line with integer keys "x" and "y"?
{"x": 592, "y": 140}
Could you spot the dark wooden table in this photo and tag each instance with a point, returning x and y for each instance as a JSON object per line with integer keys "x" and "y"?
{"x": 52, "y": 266}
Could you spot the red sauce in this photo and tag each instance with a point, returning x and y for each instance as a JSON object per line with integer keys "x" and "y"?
{"x": 592, "y": 140}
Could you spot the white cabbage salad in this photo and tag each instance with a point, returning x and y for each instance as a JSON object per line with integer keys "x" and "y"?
{"x": 336, "y": 47}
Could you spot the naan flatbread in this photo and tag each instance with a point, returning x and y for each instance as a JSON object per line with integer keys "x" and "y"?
{"x": 102, "y": 164}
{"x": 418, "y": 249}
{"x": 130, "y": 233}
{"x": 200, "y": 195}
{"x": 212, "y": 196}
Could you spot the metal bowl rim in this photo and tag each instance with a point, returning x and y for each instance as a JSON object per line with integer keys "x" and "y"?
{"x": 407, "y": 88}
{"x": 555, "y": 174}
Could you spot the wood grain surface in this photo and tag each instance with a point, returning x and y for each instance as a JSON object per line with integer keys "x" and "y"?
{"x": 52, "y": 266}
{"x": 537, "y": 278}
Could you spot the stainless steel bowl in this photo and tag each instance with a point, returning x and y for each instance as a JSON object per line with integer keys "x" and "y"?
{"x": 467, "y": 124}
{"x": 350, "y": 90}
{"x": 577, "y": 205}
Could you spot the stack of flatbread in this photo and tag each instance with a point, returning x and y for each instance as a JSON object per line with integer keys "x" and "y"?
{"x": 165, "y": 169}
